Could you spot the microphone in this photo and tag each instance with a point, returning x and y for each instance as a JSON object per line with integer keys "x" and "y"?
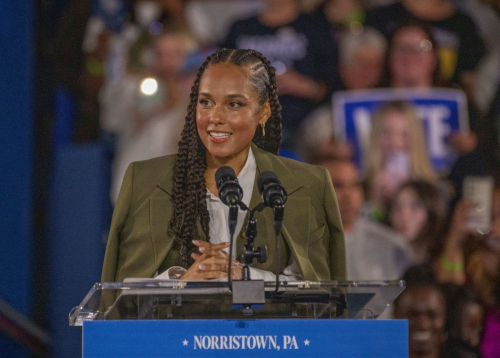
{"x": 273, "y": 193}
{"x": 230, "y": 192}
{"x": 274, "y": 196}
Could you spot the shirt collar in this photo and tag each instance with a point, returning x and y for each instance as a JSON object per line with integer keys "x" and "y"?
{"x": 246, "y": 179}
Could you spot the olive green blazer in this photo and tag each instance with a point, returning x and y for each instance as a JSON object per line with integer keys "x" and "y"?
{"x": 140, "y": 242}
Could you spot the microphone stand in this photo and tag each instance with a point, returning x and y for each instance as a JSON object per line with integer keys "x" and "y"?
{"x": 279, "y": 210}
{"x": 249, "y": 293}
{"x": 233, "y": 219}
{"x": 249, "y": 253}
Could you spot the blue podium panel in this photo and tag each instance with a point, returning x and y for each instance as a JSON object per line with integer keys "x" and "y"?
{"x": 246, "y": 338}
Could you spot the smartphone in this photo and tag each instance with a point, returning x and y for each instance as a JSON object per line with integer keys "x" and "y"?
{"x": 479, "y": 191}
{"x": 398, "y": 164}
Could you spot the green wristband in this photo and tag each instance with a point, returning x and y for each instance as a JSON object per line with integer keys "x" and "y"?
{"x": 451, "y": 266}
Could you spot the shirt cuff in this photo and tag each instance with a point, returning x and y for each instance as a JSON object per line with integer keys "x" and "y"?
{"x": 173, "y": 273}
{"x": 287, "y": 275}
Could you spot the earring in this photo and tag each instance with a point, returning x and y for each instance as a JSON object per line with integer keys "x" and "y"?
{"x": 263, "y": 129}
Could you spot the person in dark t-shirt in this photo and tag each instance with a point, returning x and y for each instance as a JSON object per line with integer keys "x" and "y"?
{"x": 303, "y": 51}
{"x": 460, "y": 47}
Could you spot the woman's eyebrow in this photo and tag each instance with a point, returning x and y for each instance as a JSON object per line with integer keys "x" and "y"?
{"x": 231, "y": 96}
{"x": 236, "y": 96}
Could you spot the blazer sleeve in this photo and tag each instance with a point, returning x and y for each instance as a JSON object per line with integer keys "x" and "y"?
{"x": 338, "y": 270}
{"x": 120, "y": 214}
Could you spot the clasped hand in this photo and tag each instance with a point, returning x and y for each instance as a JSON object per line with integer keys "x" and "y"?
{"x": 211, "y": 263}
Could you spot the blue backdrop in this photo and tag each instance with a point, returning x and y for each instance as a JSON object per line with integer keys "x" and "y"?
{"x": 16, "y": 153}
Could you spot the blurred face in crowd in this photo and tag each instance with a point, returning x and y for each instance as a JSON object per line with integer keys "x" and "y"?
{"x": 491, "y": 251}
{"x": 170, "y": 50}
{"x": 363, "y": 71}
{"x": 470, "y": 322}
{"x": 339, "y": 11}
{"x": 424, "y": 307}
{"x": 228, "y": 112}
{"x": 412, "y": 60}
{"x": 394, "y": 135}
{"x": 348, "y": 190}
{"x": 408, "y": 215}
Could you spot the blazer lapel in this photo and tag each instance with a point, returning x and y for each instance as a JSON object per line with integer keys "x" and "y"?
{"x": 295, "y": 229}
{"x": 160, "y": 215}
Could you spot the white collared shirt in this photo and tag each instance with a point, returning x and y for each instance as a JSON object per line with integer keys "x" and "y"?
{"x": 219, "y": 212}
{"x": 219, "y": 227}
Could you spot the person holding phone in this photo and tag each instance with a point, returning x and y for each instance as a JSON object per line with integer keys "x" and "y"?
{"x": 418, "y": 213}
{"x": 396, "y": 152}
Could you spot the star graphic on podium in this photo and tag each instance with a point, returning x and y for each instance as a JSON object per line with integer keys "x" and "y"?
{"x": 306, "y": 342}
{"x": 185, "y": 343}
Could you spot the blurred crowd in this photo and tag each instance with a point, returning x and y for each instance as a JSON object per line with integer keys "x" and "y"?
{"x": 402, "y": 219}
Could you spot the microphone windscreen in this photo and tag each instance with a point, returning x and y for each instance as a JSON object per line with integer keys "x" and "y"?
{"x": 224, "y": 174}
{"x": 265, "y": 178}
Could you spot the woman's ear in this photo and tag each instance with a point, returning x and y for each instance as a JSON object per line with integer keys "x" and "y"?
{"x": 265, "y": 112}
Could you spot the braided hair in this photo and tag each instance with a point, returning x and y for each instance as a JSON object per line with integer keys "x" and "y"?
{"x": 189, "y": 188}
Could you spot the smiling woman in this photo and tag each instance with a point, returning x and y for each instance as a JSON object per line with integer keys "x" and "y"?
{"x": 169, "y": 221}
{"x": 227, "y": 115}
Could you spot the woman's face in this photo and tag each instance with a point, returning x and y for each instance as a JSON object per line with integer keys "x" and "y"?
{"x": 408, "y": 215}
{"x": 394, "y": 134}
{"x": 412, "y": 61}
{"x": 228, "y": 112}
{"x": 425, "y": 309}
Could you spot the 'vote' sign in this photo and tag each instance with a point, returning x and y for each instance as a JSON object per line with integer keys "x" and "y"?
{"x": 442, "y": 111}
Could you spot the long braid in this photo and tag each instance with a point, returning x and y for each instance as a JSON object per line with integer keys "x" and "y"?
{"x": 189, "y": 189}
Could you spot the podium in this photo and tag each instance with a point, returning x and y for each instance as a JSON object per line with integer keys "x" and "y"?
{"x": 149, "y": 318}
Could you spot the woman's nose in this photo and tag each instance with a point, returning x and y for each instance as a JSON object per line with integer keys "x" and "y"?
{"x": 216, "y": 117}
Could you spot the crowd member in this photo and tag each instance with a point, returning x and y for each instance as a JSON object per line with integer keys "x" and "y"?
{"x": 492, "y": 127}
{"x": 418, "y": 212}
{"x": 303, "y": 51}
{"x": 460, "y": 47}
{"x": 110, "y": 38}
{"x": 465, "y": 318}
{"x": 412, "y": 58}
{"x": 412, "y": 62}
{"x": 395, "y": 153}
{"x": 488, "y": 72}
{"x": 361, "y": 57}
{"x": 156, "y": 119}
{"x": 373, "y": 251}
{"x": 423, "y": 304}
{"x": 344, "y": 14}
{"x": 209, "y": 21}
{"x": 475, "y": 258}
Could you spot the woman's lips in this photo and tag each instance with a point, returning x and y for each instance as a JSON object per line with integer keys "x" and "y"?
{"x": 219, "y": 137}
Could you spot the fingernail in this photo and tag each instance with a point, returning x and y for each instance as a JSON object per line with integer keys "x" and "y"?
{"x": 202, "y": 267}
{"x": 227, "y": 243}
{"x": 195, "y": 241}
{"x": 202, "y": 249}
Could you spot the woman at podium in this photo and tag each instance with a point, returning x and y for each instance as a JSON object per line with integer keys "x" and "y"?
{"x": 169, "y": 221}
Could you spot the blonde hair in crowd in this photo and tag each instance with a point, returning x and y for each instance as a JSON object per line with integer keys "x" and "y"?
{"x": 420, "y": 166}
